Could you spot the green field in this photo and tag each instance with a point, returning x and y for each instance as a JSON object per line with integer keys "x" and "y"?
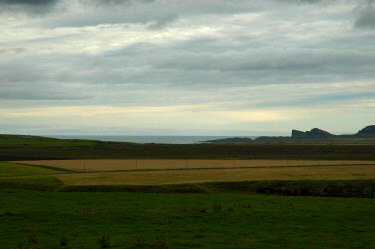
{"x": 39, "y": 148}
{"x": 244, "y": 221}
{"x": 16, "y": 169}
{"x": 34, "y": 201}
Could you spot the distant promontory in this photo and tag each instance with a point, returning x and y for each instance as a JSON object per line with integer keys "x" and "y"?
{"x": 315, "y": 133}
{"x": 368, "y": 131}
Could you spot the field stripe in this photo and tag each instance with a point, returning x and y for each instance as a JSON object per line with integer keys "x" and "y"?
{"x": 214, "y": 175}
{"x": 153, "y": 164}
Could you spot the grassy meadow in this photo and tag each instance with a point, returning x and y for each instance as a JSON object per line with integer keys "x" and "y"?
{"x": 195, "y": 196}
{"x": 16, "y": 169}
{"x": 219, "y": 220}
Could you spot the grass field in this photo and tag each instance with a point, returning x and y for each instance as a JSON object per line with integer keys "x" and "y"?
{"x": 186, "y": 220}
{"x": 24, "y": 141}
{"x": 18, "y": 147}
{"x": 224, "y": 212}
{"x": 16, "y": 169}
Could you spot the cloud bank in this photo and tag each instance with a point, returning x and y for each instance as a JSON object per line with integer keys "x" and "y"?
{"x": 186, "y": 67}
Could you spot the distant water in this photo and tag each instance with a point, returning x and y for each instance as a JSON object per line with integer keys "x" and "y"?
{"x": 148, "y": 139}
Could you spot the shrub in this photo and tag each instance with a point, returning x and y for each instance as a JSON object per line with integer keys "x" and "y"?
{"x": 22, "y": 246}
{"x": 203, "y": 210}
{"x": 138, "y": 240}
{"x": 103, "y": 241}
{"x": 160, "y": 243}
{"x": 63, "y": 241}
{"x": 183, "y": 209}
{"x": 19, "y": 246}
{"x": 217, "y": 207}
{"x": 31, "y": 238}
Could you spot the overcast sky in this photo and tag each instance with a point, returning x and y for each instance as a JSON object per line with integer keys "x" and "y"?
{"x": 174, "y": 67}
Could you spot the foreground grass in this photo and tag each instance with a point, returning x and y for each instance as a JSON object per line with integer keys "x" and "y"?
{"x": 244, "y": 221}
{"x": 31, "y": 182}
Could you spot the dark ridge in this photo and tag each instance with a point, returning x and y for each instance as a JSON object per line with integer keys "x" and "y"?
{"x": 368, "y": 131}
{"x": 314, "y": 133}
{"x": 231, "y": 140}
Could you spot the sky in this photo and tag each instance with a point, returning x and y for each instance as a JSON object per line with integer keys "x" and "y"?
{"x": 173, "y": 67}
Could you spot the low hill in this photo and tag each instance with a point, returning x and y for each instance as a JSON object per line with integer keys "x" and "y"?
{"x": 314, "y": 133}
{"x": 231, "y": 140}
{"x": 368, "y": 131}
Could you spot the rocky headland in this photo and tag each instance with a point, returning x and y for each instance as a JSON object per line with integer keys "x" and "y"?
{"x": 315, "y": 133}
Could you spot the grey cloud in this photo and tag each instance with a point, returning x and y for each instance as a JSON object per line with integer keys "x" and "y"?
{"x": 303, "y": 1}
{"x": 30, "y": 94}
{"x": 28, "y": 2}
{"x": 162, "y": 22}
{"x": 113, "y": 2}
{"x": 157, "y": 13}
{"x": 12, "y": 50}
{"x": 114, "y": 12}
{"x": 41, "y": 91}
{"x": 366, "y": 17}
{"x": 32, "y": 6}
{"x": 225, "y": 69}
{"x": 305, "y": 60}
{"x": 25, "y": 82}
{"x": 19, "y": 73}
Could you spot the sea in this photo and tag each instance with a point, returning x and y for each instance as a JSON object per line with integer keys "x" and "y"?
{"x": 148, "y": 139}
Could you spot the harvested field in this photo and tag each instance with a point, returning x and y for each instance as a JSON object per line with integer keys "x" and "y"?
{"x": 213, "y": 175}
{"x": 150, "y": 164}
{"x": 193, "y": 171}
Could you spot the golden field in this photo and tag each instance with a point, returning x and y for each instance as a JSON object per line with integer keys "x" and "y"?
{"x": 153, "y": 171}
{"x": 149, "y": 164}
{"x": 213, "y": 175}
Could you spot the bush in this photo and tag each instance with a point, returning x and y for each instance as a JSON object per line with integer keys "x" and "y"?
{"x": 63, "y": 241}
{"x": 217, "y": 207}
{"x": 19, "y": 246}
{"x": 160, "y": 243}
{"x": 31, "y": 238}
{"x": 203, "y": 210}
{"x": 138, "y": 240}
{"x": 22, "y": 246}
{"x": 103, "y": 241}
